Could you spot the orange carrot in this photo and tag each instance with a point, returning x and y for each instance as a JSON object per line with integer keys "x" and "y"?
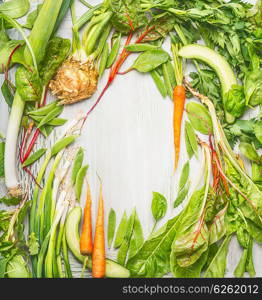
{"x": 179, "y": 98}
{"x": 98, "y": 256}
{"x": 86, "y": 244}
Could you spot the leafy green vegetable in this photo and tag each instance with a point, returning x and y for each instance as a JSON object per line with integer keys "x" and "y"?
{"x": 56, "y": 52}
{"x": 8, "y": 93}
{"x": 217, "y": 267}
{"x": 15, "y": 8}
{"x": 5, "y": 52}
{"x": 199, "y": 117}
{"x": 253, "y": 87}
{"x": 30, "y": 20}
{"x": 150, "y": 60}
{"x": 28, "y": 84}
{"x": 152, "y": 259}
{"x": 10, "y": 201}
{"x": 50, "y": 116}
{"x": 250, "y": 152}
{"x": 182, "y": 195}
{"x": 235, "y": 102}
{"x": 158, "y": 206}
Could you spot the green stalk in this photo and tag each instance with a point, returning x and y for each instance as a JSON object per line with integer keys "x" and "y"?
{"x": 33, "y": 54}
{"x": 46, "y": 201}
{"x": 41, "y": 256}
{"x": 66, "y": 258}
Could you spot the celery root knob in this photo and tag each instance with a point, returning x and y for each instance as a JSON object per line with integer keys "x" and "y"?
{"x": 74, "y": 81}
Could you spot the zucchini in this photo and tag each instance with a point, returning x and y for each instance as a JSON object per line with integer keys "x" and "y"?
{"x": 217, "y": 63}
{"x": 113, "y": 269}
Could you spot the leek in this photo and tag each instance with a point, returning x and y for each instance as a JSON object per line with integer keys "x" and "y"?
{"x": 38, "y": 40}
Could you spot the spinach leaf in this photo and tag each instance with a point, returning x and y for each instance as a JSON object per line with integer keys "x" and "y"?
{"x": 28, "y": 84}
{"x": 217, "y": 267}
{"x": 150, "y": 60}
{"x": 191, "y": 139}
{"x": 158, "y": 206}
{"x": 234, "y": 101}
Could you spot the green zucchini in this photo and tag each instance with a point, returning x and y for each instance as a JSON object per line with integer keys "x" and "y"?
{"x": 113, "y": 269}
{"x": 217, "y": 63}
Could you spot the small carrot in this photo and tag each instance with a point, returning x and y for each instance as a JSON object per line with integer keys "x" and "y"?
{"x": 86, "y": 244}
{"x": 98, "y": 256}
{"x": 179, "y": 97}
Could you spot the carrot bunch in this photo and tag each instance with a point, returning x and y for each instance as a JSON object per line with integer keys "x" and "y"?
{"x": 87, "y": 248}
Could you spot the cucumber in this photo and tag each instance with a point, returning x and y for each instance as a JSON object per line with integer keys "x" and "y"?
{"x": 113, "y": 269}
{"x": 217, "y": 63}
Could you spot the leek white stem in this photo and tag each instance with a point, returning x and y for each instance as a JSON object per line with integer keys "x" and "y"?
{"x": 11, "y": 175}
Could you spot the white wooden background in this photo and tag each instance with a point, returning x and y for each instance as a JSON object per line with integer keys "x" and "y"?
{"x": 129, "y": 143}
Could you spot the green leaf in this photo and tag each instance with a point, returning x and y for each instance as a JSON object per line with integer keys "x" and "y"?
{"x": 10, "y": 201}
{"x": 199, "y": 117}
{"x": 121, "y": 231}
{"x": 258, "y": 131}
{"x": 193, "y": 271}
{"x": 253, "y": 87}
{"x": 30, "y": 20}
{"x": 250, "y": 152}
{"x": 234, "y": 101}
{"x": 111, "y": 226}
{"x": 34, "y": 157}
{"x": 15, "y": 8}
{"x": 189, "y": 149}
{"x": 184, "y": 175}
{"x": 150, "y": 60}
{"x": 56, "y": 52}
{"x": 28, "y": 84}
{"x": 7, "y": 93}
{"x": 217, "y": 267}
{"x": 182, "y": 195}
{"x": 158, "y": 206}
{"x": 2, "y": 159}
{"x": 192, "y": 236}
{"x": 153, "y": 259}
{"x": 191, "y": 139}
{"x": 217, "y": 229}
{"x": 5, "y": 51}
